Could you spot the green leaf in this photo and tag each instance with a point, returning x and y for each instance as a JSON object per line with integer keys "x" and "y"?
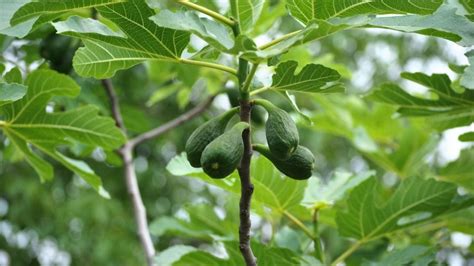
{"x": 307, "y": 10}
{"x": 372, "y": 129}
{"x": 461, "y": 171}
{"x": 315, "y": 30}
{"x": 172, "y": 254}
{"x": 31, "y": 15}
{"x": 292, "y": 100}
{"x": 43, "y": 168}
{"x": 265, "y": 255}
{"x": 276, "y": 192}
{"x": 312, "y": 78}
{"x": 7, "y": 11}
{"x": 407, "y": 256}
{"x": 467, "y": 79}
{"x": 11, "y": 92}
{"x": 469, "y": 7}
{"x": 460, "y": 221}
{"x": 370, "y": 214}
{"x": 212, "y": 32}
{"x": 13, "y": 76}
{"x": 450, "y": 109}
{"x": 318, "y": 194}
{"x": 203, "y": 223}
{"x": 444, "y": 23}
{"x": 106, "y": 51}
{"x": 246, "y": 12}
{"x": 28, "y": 123}
{"x": 466, "y": 137}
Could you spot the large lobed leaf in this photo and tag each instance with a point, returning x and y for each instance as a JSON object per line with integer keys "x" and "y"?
{"x": 450, "y": 109}
{"x": 27, "y": 123}
{"x": 467, "y": 80}
{"x": 246, "y": 12}
{"x": 373, "y": 131}
{"x": 370, "y": 214}
{"x": 139, "y": 39}
{"x": 7, "y": 11}
{"x": 276, "y": 192}
{"x": 469, "y": 7}
{"x": 411, "y": 255}
{"x": 307, "y": 10}
{"x": 444, "y": 23}
{"x": 21, "y": 17}
{"x": 11, "y": 92}
{"x": 312, "y": 78}
{"x": 202, "y": 223}
{"x": 183, "y": 255}
{"x": 461, "y": 171}
{"x": 212, "y": 32}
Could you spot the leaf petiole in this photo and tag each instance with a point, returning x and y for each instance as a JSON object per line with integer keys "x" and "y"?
{"x": 260, "y": 90}
{"x": 278, "y": 40}
{"x": 249, "y": 78}
{"x": 208, "y": 12}
{"x": 207, "y": 64}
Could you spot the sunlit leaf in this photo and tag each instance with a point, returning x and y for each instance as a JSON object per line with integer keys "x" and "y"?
{"x": 11, "y": 92}
{"x": 265, "y": 256}
{"x": 246, "y": 12}
{"x": 375, "y": 132}
{"x": 13, "y": 76}
{"x": 7, "y": 11}
{"x": 320, "y": 194}
{"x": 460, "y": 171}
{"x": 467, "y": 79}
{"x": 450, "y": 109}
{"x": 203, "y": 223}
{"x": 277, "y": 192}
{"x": 307, "y": 10}
{"x": 27, "y": 15}
{"x": 412, "y": 255}
{"x": 173, "y": 254}
{"x": 444, "y": 23}
{"x": 106, "y": 51}
{"x": 212, "y": 32}
{"x": 312, "y": 78}
{"x": 370, "y": 214}
{"x": 28, "y": 124}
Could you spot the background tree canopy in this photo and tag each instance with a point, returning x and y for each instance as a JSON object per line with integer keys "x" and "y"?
{"x": 98, "y": 99}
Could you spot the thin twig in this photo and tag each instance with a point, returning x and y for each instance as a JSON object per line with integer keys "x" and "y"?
{"x": 138, "y": 206}
{"x": 126, "y": 152}
{"x": 114, "y": 104}
{"x": 173, "y": 123}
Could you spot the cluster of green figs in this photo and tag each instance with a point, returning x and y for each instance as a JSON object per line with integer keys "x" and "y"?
{"x": 219, "y": 151}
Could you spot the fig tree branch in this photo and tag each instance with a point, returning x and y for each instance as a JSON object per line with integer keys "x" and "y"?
{"x": 133, "y": 189}
{"x": 246, "y": 186}
{"x": 197, "y": 110}
{"x": 114, "y": 104}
